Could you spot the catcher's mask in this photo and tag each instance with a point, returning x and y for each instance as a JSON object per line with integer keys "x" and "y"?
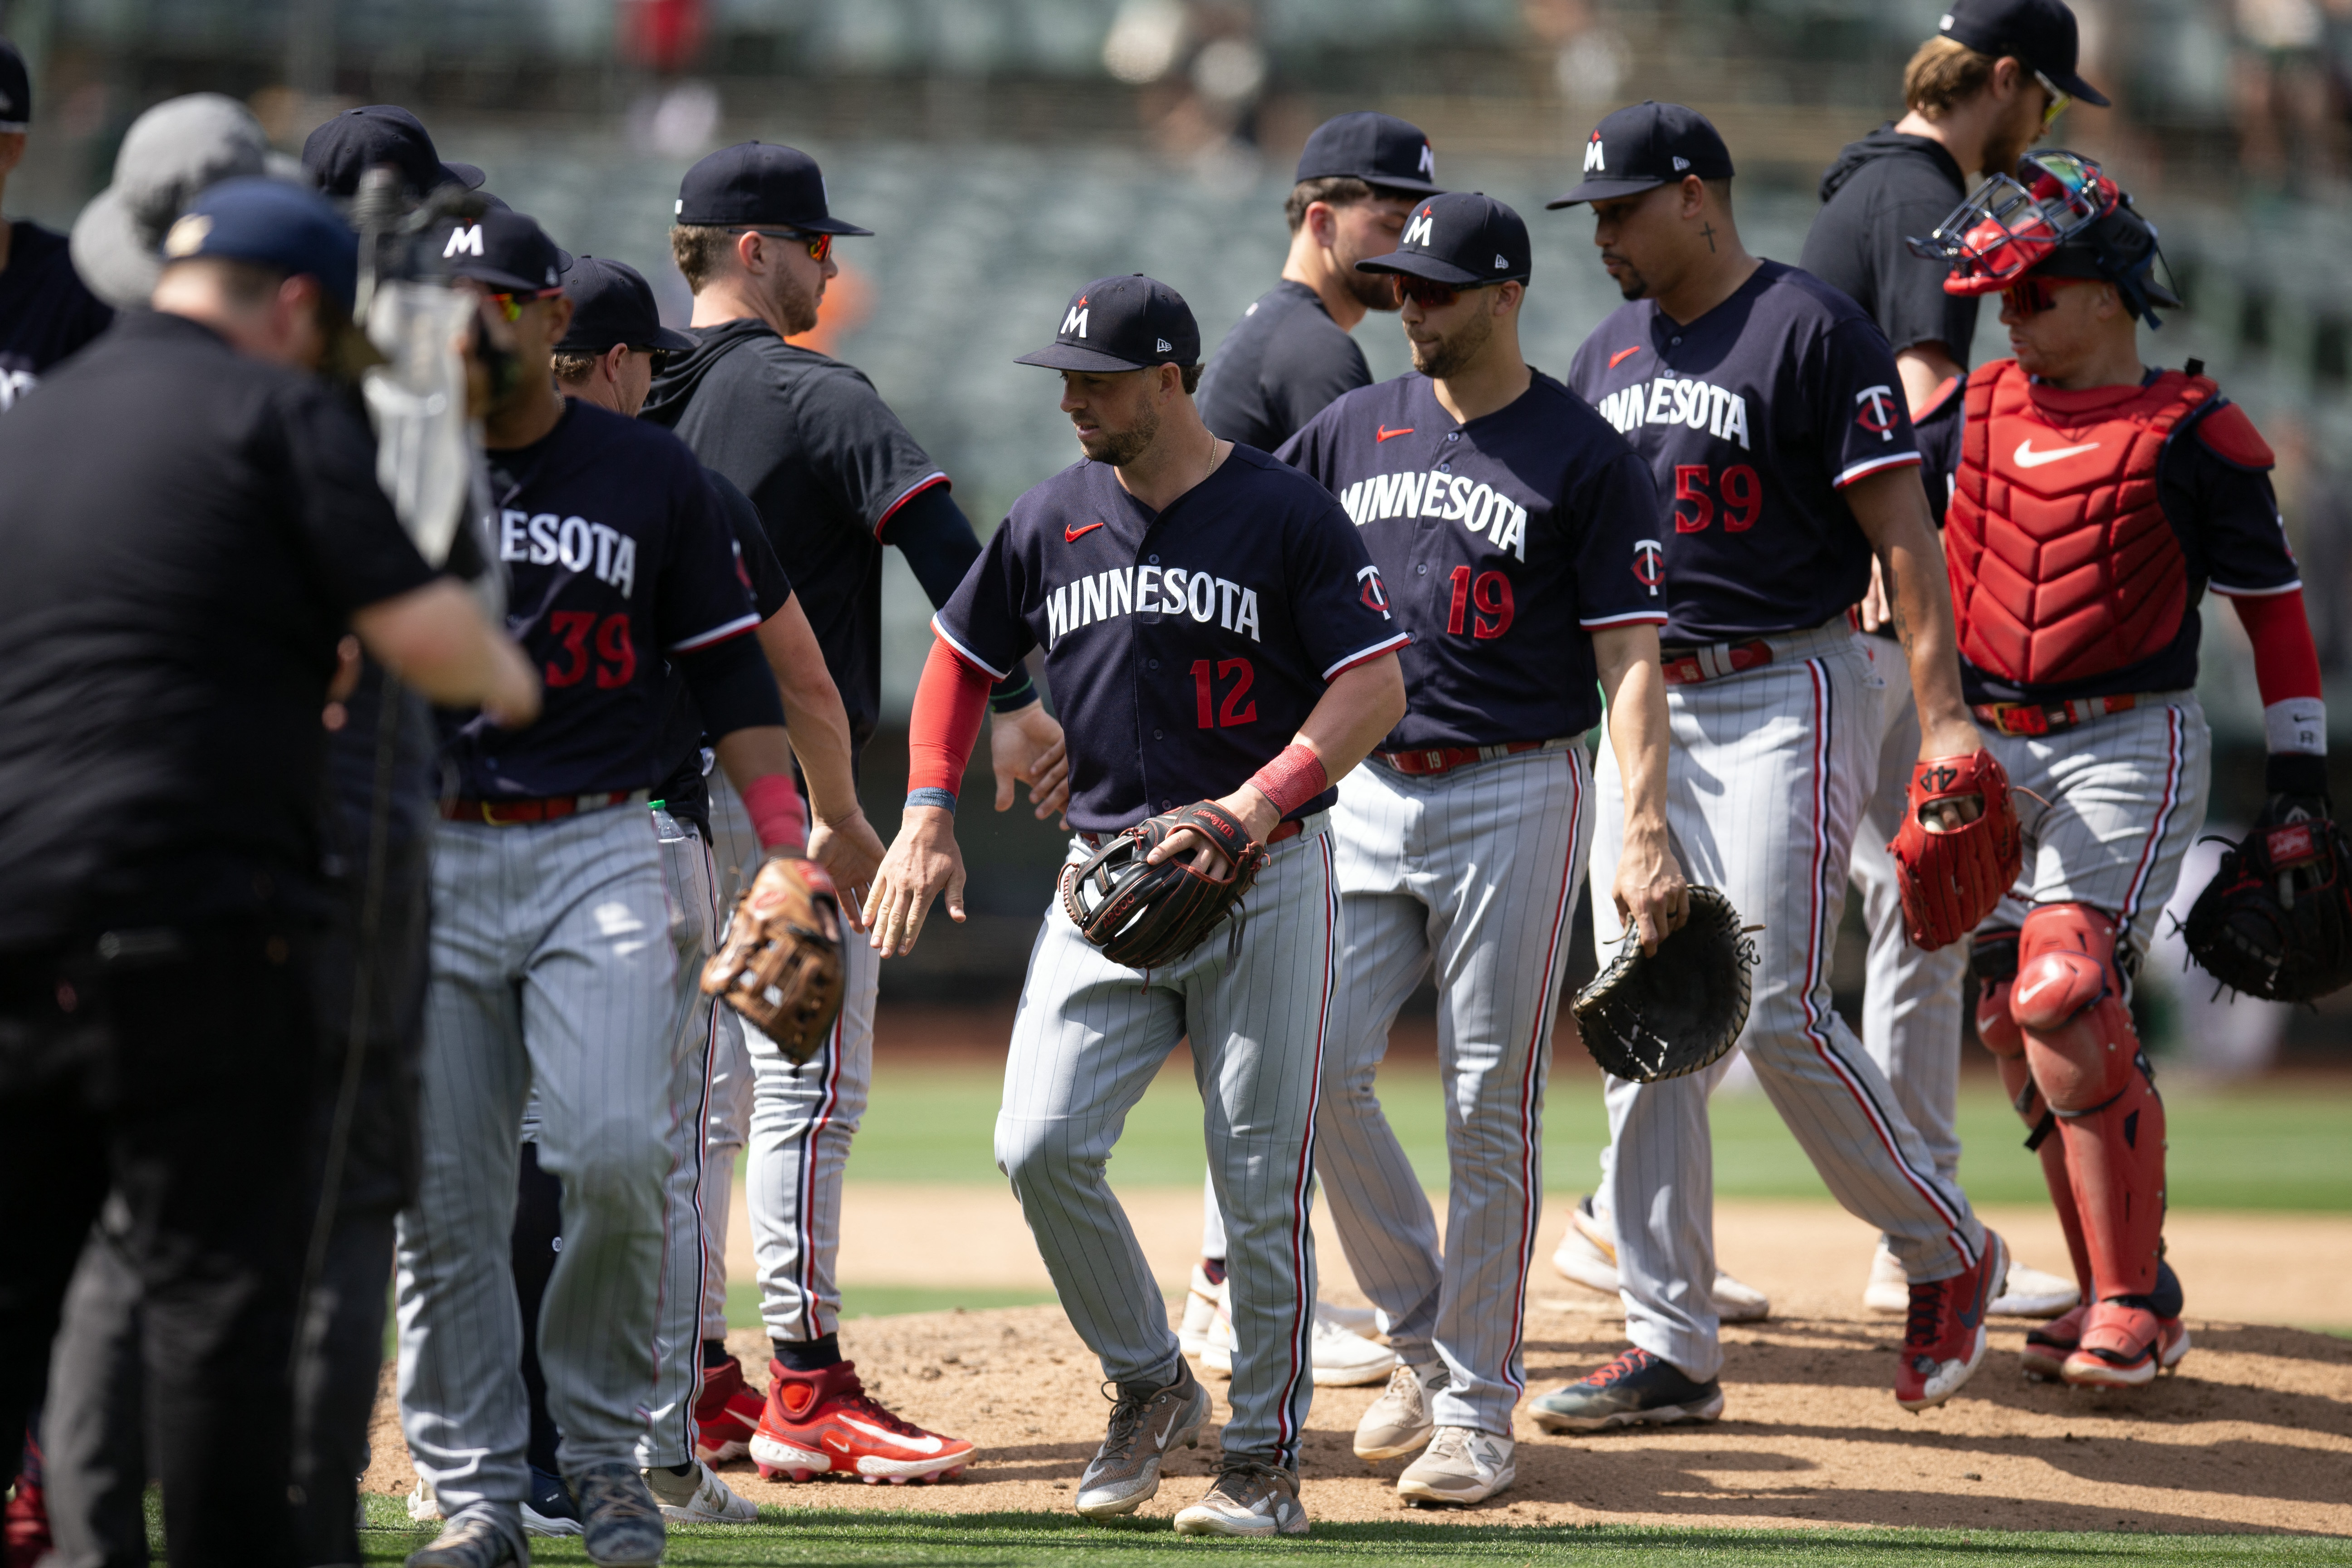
{"x": 2060, "y": 216}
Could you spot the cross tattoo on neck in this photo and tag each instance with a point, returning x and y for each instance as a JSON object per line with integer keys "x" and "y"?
{"x": 1707, "y": 234}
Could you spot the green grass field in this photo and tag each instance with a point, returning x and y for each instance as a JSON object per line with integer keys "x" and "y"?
{"x": 2282, "y": 1146}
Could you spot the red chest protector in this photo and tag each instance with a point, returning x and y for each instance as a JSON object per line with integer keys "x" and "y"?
{"x": 2062, "y": 563}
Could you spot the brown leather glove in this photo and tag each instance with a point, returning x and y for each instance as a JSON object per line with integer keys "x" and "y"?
{"x": 779, "y": 963}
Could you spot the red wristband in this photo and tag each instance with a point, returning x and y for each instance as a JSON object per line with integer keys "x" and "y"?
{"x": 1293, "y": 778}
{"x": 775, "y": 808}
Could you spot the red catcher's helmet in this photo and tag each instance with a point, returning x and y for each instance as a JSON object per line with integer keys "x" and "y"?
{"x": 2011, "y": 225}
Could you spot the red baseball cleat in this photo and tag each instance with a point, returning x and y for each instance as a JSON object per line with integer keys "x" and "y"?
{"x": 1944, "y": 1337}
{"x": 25, "y": 1526}
{"x": 2124, "y": 1346}
{"x": 725, "y": 1414}
{"x": 2047, "y": 1345}
{"x": 816, "y": 1421}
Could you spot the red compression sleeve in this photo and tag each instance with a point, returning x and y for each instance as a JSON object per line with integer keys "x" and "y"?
{"x": 2286, "y": 664}
{"x": 776, "y": 809}
{"x": 944, "y": 727}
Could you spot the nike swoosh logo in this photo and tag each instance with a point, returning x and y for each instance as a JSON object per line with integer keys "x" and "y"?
{"x": 2036, "y": 989}
{"x": 1386, "y": 434}
{"x": 1069, "y": 533}
{"x": 1621, "y": 355}
{"x": 1159, "y": 1444}
{"x": 920, "y": 1445}
{"x": 2027, "y": 458}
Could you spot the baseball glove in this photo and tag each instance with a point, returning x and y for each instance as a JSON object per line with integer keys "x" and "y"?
{"x": 2277, "y": 920}
{"x": 779, "y": 963}
{"x": 1950, "y": 880}
{"x": 1661, "y": 1015}
{"x": 1143, "y": 915}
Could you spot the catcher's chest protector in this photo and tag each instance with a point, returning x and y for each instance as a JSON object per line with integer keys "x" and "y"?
{"x": 2063, "y": 564}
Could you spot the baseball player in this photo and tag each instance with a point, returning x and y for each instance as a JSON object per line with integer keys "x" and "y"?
{"x": 2092, "y": 501}
{"x": 835, "y": 477}
{"x": 45, "y": 310}
{"x": 1205, "y": 612}
{"x": 1764, "y": 403}
{"x": 1287, "y": 358}
{"x": 557, "y": 941}
{"x": 1515, "y": 528}
{"x": 1994, "y": 78}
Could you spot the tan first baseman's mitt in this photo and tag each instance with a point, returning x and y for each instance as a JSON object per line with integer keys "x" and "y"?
{"x": 780, "y": 966}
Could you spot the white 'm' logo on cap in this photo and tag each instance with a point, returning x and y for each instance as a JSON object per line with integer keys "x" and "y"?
{"x": 1946, "y": 24}
{"x": 1428, "y": 162}
{"x": 1418, "y": 232}
{"x": 466, "y": 237}
{"x": 1075, "y": 321}
{"x": 1595, "y": 161}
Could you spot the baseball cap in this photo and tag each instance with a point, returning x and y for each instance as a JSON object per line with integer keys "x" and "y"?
{"x": 274, "y": 223}
{"x": 169, "y": 155}
{"x": 504, "y": 250}
{"x": 1465, "y": 238}
{"x": 613, "y": 303}
{"x": 1644, "y": 146}
{"x": 2042, "y": 33}
{"x": 759, "y": 184}
{"x": 1378, "y": 149}
{"x": 346, "y": 147}
{"x": 1122, "y": 323}
{"x": 16, "y": 90}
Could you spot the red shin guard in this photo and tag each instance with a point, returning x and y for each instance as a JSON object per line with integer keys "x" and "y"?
{"x": 2002, "y": 1038}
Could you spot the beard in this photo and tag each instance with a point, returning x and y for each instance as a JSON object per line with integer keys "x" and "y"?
{"x": 1452, "y": 355}
{"x": 1372, "y": 291}
{"x": 796, "y": 305}
{"x": 1630, "y": 282}
{"x": 1121, "y": 447}
{"x": 2010, "y": 143}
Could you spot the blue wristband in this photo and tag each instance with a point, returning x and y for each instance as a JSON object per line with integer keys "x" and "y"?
{"x": 943, "y": 798}
{"x": 1009, "y": 697}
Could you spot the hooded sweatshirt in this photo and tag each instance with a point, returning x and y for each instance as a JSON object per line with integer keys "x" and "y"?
{"x": 1883, "y": 190}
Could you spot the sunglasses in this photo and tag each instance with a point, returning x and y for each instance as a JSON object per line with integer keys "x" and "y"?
{"x": 511, "y": 304}
{"x": 2057, "y": 104}
{"x": 819, "y": 245}
{"x": 2029, "y": 297}
{"x": 1428, "y": 295}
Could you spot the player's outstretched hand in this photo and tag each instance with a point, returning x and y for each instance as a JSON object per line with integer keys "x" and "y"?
{"x": 851, "y": 851}
{"x": 1027, "y": 745}
{"x": 923, "y": 862}
{"x": 1650, "y": 892}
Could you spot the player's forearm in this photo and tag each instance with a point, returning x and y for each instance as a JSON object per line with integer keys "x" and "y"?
{"x": 435, "y": 640}
{"x": 1357, "y": 710}
{"x": 1891, "y": 509}
{"x": 758, "y": 760}
{"x": 1635, "y": 688}
{"x": 813, "y": 715}
{"x": 1924, "y": 368}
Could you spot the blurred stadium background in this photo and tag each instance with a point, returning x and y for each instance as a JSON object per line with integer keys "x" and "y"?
{"x": 1006, "y": 151}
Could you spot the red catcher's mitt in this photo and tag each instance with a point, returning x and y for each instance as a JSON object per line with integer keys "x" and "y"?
{"x": 1951, "y": 880}
{"x": 1144, "y": 916}
{"x": 780, "y": 966}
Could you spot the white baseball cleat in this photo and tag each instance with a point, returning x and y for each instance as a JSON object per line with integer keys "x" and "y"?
{"x": 423, "y": 1506}
{"x": 1200, "y": 1320}
{"x": 1364, "y": 1321}
{"x": 2025, "y": 1291}
{"x": 1342, "y": 1358}
{"x": 702, "y": 1499}
{"x": 1461, "y": 1466}
{"x": 1399, "y": 1422}
{"x": 1587, "y": 1254}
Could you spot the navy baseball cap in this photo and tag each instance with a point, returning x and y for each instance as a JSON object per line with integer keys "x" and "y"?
{"x": 16, "y": 90}
{"x": 506, "y": 251}
{"x": 2042, "y": 33}
{"x": 1465, "y": 238}
{"x": 1644, "y": 146}
{"x": 272, "y": 224}
{"x": 759, "y": 185}
{"x": 1122, "y": 323}
{"x": 1378, "y": 149}
{"x": 346, "y": 147}
{"x": 613, "y": 303}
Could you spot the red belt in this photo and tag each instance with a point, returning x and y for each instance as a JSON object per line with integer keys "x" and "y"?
{"x": 1713, "y": 663}
{"x": 1445, "y": 758}
{"x": 1282, "y": 831}
{"x": 553, "y": 808}
{"x": 2041, "y": 718}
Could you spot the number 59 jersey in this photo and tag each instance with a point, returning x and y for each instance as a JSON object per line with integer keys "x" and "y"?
{"x": 1753, "y": 419}
{"x": 1505, "y": 543}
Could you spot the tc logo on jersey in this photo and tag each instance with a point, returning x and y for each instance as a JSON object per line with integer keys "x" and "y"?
{"x": 1418, "y": 232}
{"x": 1376, "y": 593}
{"x": 1877, "y": 414}
{"x": 1649, "y": 564}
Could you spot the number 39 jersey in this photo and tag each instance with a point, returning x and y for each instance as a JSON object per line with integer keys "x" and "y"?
{"x": 1504, "y": 543}
{"x": 1183, "y": 647}
{"x": 1752, "y": 418}
{"x": 616, "y": 558}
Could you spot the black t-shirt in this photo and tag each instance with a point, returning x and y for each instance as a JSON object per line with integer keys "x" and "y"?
{"x": 1884, "y": 190}
{"x": 1184, "y": 647}
{"x": 685, "y": 793}
{"x": 1281, "y": 365}
{"x": 187, "y": 532}
{"x": 1753, "y": 419}
{"x": 617, "y": 560}
{"x": 1505, "y": 543}
{"x": 821, "y": 455}
{"x": 45, "y": 313}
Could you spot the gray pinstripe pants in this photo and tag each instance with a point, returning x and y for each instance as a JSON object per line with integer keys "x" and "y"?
{"x": 1476, "y": 871}
{"x": 1089, "y": 1037}
{"x": 555, "y": 955}
{"x": 1765, "y": 783}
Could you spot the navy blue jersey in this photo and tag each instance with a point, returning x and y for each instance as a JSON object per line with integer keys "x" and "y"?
{"x": 2224, "y": 513}
{"x": 1183, "y": 647}
{"x": 1503, "y": 543}
{"x": 616, "y": 555}
{"x": 1752, "y": 418}
{"x": 45, "y": 311}
{"x": 1281, "y": 365}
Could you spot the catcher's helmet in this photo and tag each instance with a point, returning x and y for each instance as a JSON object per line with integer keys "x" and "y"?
{"x": 2060, "y": 216}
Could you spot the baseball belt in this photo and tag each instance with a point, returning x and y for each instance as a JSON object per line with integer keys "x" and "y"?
{"x": 1713, "y": 661}
{"x": 1282, "y": 832}
{"x": 1424, "y": 762}
{"x": 2047, "y": 718}
{"x": 550, "y": 808}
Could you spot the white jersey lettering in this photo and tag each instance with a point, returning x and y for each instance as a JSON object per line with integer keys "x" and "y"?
{"x": 1675, "y": 400}
{"x": 1132, "y": 590}
{"x": 542, "y": 539}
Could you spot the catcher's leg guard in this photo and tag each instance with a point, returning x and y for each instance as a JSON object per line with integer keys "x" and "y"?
{"x": 1993, "y": 965}
{"x": 2067, "y": 1002}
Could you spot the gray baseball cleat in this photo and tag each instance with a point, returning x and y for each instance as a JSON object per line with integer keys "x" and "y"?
{"x": 1399, "y": 1423}
{"x": 1250, "y": 1497}
{"x": 1145, "y": 1423}
{"x": 620, "y": 1525}
{"x": 1461, "y": 1466}
{"x": 469, "y": 1540}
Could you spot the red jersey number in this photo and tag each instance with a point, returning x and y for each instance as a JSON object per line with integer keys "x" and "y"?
{"x": 615, "y": 656}
{"x": 1742, "y": 494}
{"x": 1489, "y": 594}
{"x": 1234, "y": 711}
